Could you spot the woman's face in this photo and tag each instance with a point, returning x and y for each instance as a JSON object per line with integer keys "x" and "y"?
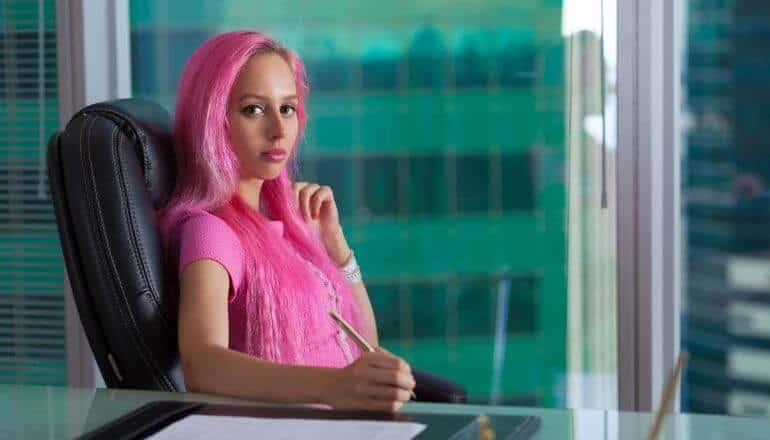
{"x": 263, "y": 124}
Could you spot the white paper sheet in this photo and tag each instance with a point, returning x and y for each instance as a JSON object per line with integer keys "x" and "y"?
{"x": 210, "y": 427}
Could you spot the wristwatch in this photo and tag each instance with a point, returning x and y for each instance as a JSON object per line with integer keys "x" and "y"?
{"x": 351, "y": 270}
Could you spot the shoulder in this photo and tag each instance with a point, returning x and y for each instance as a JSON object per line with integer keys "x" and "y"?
{"x": 206, "y": 229}
{"x": 207, "y": 225}
{"x": 203, "y": 235}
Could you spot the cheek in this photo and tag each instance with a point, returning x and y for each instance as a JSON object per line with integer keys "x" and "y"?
{"x": 240, "y": 134}
{"x": 293, "y": 131}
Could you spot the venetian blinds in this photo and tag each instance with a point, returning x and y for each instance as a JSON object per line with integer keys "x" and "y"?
{"x": 32, "y": 313}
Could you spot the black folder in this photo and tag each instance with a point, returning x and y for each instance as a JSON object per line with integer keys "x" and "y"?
{"x": 154, "y": 416}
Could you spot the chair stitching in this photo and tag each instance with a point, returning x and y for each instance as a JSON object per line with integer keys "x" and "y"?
{"x": 110, "y": 260}
{"x": 84, "y": 159}
{"x": 136, "y": 241}
{"x": 152, "y": 293}
{"x": 115, "y": 141}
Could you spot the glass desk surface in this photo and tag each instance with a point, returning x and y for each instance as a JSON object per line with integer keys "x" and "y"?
{"x": 58, "y": 412}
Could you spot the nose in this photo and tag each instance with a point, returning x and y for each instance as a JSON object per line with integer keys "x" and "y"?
{"x": 276, "y": 128}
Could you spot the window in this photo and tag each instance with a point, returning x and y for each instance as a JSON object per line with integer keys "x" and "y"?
{"x": 448, "y": 134}
{"x": 726, "y": 170}
{"x": 32, "y": 323}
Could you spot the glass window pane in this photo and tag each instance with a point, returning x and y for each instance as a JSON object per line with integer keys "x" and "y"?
{"x": 33, "y": 332}
{"x": 385, "y": 299}
{"x": 380, "y": 187}
{"x": 427, "y": 186}
{"x": 472, "y": 183}
{"x": 448, "y": 133}
{"x": 726, "y": 170}
{"x": 517, "y": 181}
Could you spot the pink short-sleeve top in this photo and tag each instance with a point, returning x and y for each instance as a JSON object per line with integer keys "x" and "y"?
{"x": 205, "y": 236}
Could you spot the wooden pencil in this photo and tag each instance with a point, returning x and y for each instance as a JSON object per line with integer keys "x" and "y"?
{"x": 355, "y": 336}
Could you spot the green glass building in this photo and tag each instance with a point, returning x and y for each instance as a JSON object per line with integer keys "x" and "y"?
{"x": 441, "y": 129}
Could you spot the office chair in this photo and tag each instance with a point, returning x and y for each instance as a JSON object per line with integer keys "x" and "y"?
{"x": 109, "y": 170}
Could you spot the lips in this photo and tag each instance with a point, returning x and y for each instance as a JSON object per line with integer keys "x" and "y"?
{"x": 274, "y": 155}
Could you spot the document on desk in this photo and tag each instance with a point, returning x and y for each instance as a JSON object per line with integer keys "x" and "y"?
{"x": 205, "y": 427}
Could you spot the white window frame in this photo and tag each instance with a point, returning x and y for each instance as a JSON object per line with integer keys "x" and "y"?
{"x": 650, "y": 38}
{"x": 94, "y": 64}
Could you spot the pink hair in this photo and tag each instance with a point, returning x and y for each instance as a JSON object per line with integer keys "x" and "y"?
{"x": 286, "y": 301}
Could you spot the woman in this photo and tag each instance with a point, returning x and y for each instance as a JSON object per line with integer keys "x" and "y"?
{"x": 261, "y": 259}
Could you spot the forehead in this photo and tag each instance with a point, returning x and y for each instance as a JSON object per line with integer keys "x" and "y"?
{"x": 266, "y": 74}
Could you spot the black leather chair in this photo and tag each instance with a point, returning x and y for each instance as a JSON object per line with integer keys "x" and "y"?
{"x": 109, "y": 169}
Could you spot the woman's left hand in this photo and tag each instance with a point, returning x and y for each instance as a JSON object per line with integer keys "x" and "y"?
{"x": 317, "y": 206}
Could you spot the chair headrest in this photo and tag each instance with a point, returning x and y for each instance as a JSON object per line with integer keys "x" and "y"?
{"x": 110, "y": 170}
{"x": 150, "y": 125}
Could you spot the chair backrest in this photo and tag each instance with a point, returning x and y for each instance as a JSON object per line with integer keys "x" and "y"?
{"x": 109, "y": 170}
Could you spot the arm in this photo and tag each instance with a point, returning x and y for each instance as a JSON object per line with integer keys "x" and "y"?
{"x": 367, "y": 313}
{"x": 339, "y": 251}
{"x": 317, "y": 205}
{"x": 210, "y": 366}
{"x": 375, "y": 381}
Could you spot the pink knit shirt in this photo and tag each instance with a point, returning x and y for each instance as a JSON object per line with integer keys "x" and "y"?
{"x": 206, "y": 236}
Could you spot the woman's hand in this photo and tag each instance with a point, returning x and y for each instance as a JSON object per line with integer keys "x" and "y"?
{"x": 377, "y": 381}
{"x": 317, "y": 206}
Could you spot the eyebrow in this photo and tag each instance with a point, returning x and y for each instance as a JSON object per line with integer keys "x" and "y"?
{"x": 263, "y": 97}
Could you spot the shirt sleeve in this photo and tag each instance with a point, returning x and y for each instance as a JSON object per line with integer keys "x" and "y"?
{"x": 206, "y": 236}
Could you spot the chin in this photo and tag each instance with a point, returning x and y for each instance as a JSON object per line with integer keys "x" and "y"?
{"x": 268, "y": 173}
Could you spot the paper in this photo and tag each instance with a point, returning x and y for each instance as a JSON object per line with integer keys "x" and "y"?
{"x": 208, "y": 427}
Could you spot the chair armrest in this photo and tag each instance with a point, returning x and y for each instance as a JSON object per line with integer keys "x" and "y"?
{"x": 432, "y": 388}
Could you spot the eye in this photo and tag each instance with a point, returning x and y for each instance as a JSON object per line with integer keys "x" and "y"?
{"x": 288, "y": 110}
{"x": 253, "y": 110}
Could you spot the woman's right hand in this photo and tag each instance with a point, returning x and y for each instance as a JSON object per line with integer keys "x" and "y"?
{"x": 377, "y": 381}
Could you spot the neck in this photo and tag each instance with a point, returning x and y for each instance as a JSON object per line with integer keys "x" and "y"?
{"x": 248, "y": 190}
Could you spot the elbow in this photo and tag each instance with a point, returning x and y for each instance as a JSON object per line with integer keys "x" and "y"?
{"x": 192, "y": 384}
{"x": 194, "y": 375}
{"x": 191, "y": 387}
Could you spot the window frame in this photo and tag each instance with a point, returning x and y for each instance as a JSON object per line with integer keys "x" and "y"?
{"x": 94, "y": 64}
{"x": 650, "y": 42}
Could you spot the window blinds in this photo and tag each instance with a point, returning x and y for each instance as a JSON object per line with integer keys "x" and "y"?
{"x": 32, "y": 314}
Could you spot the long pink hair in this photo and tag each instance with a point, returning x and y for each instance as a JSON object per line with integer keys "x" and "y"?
{"x": 286, "y": 301}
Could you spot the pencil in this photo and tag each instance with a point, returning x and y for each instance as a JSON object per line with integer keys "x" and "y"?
{"x": 355, "y": 336}
{"x": 668, "y": 395}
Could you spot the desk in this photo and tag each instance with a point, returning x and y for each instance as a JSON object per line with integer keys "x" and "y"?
{"x": 32, "y": 412}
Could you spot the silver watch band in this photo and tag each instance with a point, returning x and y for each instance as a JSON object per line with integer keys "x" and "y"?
{"x": 351, "y": 269}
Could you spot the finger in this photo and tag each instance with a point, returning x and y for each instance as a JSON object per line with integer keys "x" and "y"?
{"x": 393, "y": 378}
{"x": 304, "y": 199}
{"x": 385, "y": 392}
{"x": 296, "y": 187}
{"x": 310, "y": 190}
{"x": 383, "y": 405}
{"x": 387, "y": 360}
{"x": 323, "y": 194}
